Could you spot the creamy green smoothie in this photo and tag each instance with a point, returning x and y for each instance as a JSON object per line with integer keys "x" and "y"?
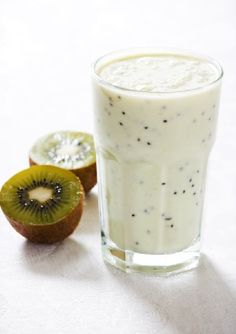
{"x": 155, "y": 125}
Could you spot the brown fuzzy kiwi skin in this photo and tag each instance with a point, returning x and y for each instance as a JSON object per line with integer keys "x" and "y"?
{"x": 49, "y": 234}
{"x": 87, "y": 175}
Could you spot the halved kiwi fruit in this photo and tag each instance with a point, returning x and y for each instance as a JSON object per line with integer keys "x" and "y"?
{"x": 43, "y": 203}
{"x": 71, "y": 150}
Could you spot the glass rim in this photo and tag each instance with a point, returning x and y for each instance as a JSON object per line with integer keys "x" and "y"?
{"x": 145, "y": 51}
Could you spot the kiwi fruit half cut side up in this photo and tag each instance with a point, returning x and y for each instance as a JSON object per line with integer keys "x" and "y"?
{"x": 71, "y": 150}
{"x": 43, "y": 203}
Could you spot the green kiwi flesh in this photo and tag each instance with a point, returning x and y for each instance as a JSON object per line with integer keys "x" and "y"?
{"x": 43, "y": 203}
{"x": 71, "y": 150}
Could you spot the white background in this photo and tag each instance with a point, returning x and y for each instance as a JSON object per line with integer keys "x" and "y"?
{"x": 46, "y": 50}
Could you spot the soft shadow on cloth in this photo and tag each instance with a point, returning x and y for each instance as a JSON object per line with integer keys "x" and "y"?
{"x": 3, "y": 306}
{"x": 198, "y": 301}
{"x": 69, "y": 259}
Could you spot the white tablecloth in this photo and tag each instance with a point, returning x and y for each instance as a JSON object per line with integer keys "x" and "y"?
{"x": 46, "y": 48}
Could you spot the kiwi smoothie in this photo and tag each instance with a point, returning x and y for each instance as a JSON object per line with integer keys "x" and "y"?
{"x": 155, "y": 122}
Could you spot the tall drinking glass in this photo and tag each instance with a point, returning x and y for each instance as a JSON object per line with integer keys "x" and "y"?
{"x": 155, "y": 118}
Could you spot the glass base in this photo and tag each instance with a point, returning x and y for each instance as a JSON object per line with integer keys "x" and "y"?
{"x": 161, "y": 265}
